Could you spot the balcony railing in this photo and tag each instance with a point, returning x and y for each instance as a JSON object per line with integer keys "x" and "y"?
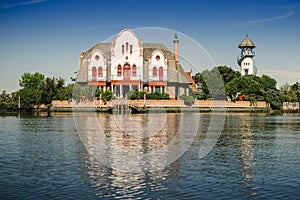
{"x": 93, "y": 78}
{"x": 157, "y": 78}
{"x": 127, "y": 78}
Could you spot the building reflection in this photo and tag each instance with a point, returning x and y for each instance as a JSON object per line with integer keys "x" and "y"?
{"x": 246, "y": 138}
{"x": 127, "y": 154}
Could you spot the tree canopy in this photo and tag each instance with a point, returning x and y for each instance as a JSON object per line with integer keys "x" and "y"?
{"x": 251, "y": 87}
{"x": 37, "y": 90}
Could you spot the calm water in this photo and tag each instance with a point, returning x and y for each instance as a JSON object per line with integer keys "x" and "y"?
{"x": 256, "y": 157}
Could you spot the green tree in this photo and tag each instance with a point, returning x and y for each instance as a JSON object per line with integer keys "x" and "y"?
{"x": 215, "y": 85}
{"x": 48, "y": 91}
{"x": 231, "y": 90}
{"x": 30, "y": 97}
{"x": 204, "y": 93}
{"x": 288, "y": 94}
{"x": 268, "y": 82}
{"x": 295, "y": 86}
{"x": 228, "y": 73}
{"x": 35, "y": 80}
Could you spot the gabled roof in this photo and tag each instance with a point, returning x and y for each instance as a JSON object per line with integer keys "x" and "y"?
{"x": 246, "y": 43}
{"x": 149, "y": 48}
{"x": 176, "y": 73}
{"x": 105, "y": 48}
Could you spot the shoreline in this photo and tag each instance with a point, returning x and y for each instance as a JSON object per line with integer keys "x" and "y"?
{"x": 122, "y": 106}
{"x": 40, "y": 112}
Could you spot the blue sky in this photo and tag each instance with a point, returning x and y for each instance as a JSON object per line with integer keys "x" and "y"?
{"x": 47, "y": 35}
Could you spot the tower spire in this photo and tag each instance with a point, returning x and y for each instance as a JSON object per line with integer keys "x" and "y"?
{"x": 175, "y": 42}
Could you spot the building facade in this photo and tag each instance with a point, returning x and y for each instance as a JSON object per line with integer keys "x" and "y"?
{"x": 126, "y": 63}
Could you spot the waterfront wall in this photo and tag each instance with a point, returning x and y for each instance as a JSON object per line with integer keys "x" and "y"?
{"x": 161, "y": 103}
{"x": 199, "y": 103}
{"x": 290, "y": 106}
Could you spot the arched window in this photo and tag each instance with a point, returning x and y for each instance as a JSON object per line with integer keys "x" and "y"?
{"x": 94, "y": 73}
{"x": 122, "y": 48}
{"x": 133, "y": 70}
{"x": 126, "y": 47}
{"x": 119, "y": 70}
{"x": 100, "y": 72}
{"x": 154, "y": 73}
{"x": 161, "y": 73}
{"x": 131, "y": 48}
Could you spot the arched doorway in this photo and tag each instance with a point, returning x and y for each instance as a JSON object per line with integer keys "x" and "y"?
{"x": 126, "y": 72}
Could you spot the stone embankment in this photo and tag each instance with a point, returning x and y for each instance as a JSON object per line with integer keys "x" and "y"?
{"x": 201, "y": 105}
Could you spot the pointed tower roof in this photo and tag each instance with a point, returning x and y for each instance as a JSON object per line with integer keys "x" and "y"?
{"x": 246, "y": 43}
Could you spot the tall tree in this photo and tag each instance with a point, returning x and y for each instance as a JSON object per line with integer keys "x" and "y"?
{"x": 35, "y": 80}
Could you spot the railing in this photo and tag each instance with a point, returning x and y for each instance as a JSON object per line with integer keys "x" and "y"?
{"x": 157, "y": 78}
{"x": 119, "y": 78}
{"x": 92, "y": 78}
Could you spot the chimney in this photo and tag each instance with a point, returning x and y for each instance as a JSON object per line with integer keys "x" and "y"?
{"x": 81, "y": 56}
{"x": 176, "y": 41}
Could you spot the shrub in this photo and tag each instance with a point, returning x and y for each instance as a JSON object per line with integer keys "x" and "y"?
{"x": 158, "y": 96}
{"x": 188, "y": 100}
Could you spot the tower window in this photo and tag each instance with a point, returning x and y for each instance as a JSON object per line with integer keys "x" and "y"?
{"x": 131, "y": 48}
{"x": 122, "y": 48}
{"x": 97, "y": 57}
{"x": 157, "y": 57}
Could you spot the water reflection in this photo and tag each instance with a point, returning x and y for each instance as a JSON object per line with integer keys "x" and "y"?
{"x": 121, "y": 162}
{"x": 246, "y": 138}
{"x": 137, "y": 143}
{"x": 109, "y": 182}
{"x": 43, "y": 157}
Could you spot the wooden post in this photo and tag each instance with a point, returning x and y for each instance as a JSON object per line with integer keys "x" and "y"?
{"x": 144, "y": 101}
{"x": 19, "y": 102}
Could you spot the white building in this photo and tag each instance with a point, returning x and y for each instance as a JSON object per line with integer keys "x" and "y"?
{"x": 245, "y": 60}
{"x": 128, "y": 64}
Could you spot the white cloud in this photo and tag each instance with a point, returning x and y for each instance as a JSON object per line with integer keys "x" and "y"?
{"x": 271, "y": 19}
{"x": 22, "y": 3}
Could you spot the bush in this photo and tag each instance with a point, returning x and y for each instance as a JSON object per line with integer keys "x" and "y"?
{"x": 135, "y": 94}
{"x": 158, "y": 96}
{"x": 106, "y": 96}
{"x": 188, "y": 100}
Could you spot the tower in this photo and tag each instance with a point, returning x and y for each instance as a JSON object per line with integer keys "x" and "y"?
{"x": 176, "y": 41}
{"x": 245, "y": 60}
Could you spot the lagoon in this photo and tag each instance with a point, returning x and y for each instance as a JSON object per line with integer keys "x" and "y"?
{"x": 50, "y": 157}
